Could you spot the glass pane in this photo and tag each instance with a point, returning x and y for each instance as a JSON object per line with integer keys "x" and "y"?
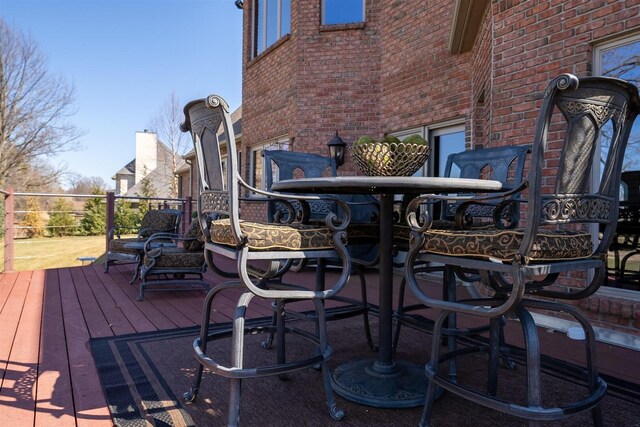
{"x": 623, "y": 61}
{"x": 272, "y": 21}
{"x": 342, "y": 11}
{"x": 285, "y": 20}
{"x": 259, "y": 27}
{"x": 444, "y": 145}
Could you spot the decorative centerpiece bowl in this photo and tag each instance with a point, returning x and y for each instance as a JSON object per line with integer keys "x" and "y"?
{"x": 390, "y": 157}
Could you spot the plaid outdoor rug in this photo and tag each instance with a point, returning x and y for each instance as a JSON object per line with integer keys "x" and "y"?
{"x": 144, "y": 377}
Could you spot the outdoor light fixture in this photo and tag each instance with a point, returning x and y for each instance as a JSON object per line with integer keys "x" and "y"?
{"x": 239, "y": 4}
{"x": 336, "y": 149}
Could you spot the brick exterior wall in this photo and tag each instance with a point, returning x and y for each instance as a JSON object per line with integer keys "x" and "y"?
{"x": 422, "y": 82}
{"x": 396, "y": 72}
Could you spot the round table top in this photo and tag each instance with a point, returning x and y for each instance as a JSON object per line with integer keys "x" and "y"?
{"x": 387, "y": 184}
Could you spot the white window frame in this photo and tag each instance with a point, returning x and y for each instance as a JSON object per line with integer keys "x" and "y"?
{"x": 595, "y": 177}
{"x": 280, "y": 143}
{"x": 443, "y": 129}
{"x": 257, "y": 50}
{"x": 323, "y": 10}
{"x": 428, "y": 132}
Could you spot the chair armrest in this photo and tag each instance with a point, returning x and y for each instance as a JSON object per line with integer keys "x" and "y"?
{"x": 424, "y": 220}
{"x": 332, "y": 220}
{"x": 159, "y": 239}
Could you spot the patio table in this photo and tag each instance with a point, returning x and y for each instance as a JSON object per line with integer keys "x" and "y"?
{"x": 383, "y": 381}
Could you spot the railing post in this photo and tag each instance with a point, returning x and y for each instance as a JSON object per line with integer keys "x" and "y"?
{"x": 8, "y": 231}
{"x": 188, "y": 211}
{"x": 110, "y": 207}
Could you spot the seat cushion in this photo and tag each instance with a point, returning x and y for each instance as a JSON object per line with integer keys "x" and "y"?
{"x": 174, "y": 257}
{"x": 262, "y": 236}
{"x": 503, "y": 245}
{"x": 117, "y": 245}
{"x": 363, "y": 233}
{"x": 156, "y": 221}
{"x": 195, "y": 233}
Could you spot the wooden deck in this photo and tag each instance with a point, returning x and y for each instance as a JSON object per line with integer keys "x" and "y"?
{"x": 47, "y": 373}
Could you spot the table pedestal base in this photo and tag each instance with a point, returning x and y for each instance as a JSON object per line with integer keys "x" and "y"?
{"x": 399, "y": 385}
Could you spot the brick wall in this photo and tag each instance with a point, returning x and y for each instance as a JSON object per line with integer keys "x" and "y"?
{"x": 422, "y": 82}
{"x": 395, "y": 72}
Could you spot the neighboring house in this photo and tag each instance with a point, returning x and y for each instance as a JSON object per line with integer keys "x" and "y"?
{"x": 154, "y": 164}
{"x": 465, "y": 74}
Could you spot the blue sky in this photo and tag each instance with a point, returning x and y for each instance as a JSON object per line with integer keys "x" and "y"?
{"x": 125, "y": 58}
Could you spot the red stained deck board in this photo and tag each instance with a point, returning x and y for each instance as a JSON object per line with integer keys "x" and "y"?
{"x": 7, "y": 281}
{"x": 89, "y": 309}
{"x": 129, "y": 308}
{"x": 10, "y": 318}
{"x": 54, "y": 398}
{"x": 117, "y": 321}
{"x": 87, "y": 390}
{"x": 17, "y": 406}
{"x": 156, "y": 316}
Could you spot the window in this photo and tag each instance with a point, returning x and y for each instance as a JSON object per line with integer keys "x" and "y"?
{"x": 256, "y": 160}
{"x": 445, "y": 141}
{"x": 271, "y": 21}
{"x": 342, "y": 11}
{"x": 621, "y": 58}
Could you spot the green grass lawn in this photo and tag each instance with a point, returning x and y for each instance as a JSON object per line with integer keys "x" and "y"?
{"x": 54, "y": 252}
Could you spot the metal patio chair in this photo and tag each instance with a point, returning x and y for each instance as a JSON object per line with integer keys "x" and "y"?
{"x": 552, "y": 241}
{"x": 362, "y": 233}
{"x": 154, "y": 221}
{"x": 178, "y": 267}
{"x": 263, "y": 252}
{"x": 504, "y": 164}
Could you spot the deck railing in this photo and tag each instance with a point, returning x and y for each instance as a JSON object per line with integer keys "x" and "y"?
{"x": 14, "y": 208}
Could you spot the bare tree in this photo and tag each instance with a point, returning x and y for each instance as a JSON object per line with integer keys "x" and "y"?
{"x": 34, "y": 108}
{"x": 79, "y": 184}
{"x": 166, "y": 124}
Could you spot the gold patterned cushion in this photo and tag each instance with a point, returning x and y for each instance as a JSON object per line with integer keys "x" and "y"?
{"x": 117, "y": 245}
{"x": 401, "y": 232}
{"x": 195, "y": 233}
{"x": 173, "y": 257}
{"x": 156, "y": 221}
{"x": 273, "y": 236}
{"x": 503, "y": 245}
{"x": 363, "y": 233}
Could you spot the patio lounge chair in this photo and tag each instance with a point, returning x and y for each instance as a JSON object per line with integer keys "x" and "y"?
{"x": 551, "y": 241}
{"x": 263, "y": 252}
{"x": 179, "y": 267}
{"x": 154, "y": 221}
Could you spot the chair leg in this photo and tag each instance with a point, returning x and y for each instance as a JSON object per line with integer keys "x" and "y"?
{"x": 449, "y": 293}
{"x": 280, "y": 337}
{"x": 495, "y": 330}
{"x": 399, "y": 312}
{"x": 532, "y": 348}
{"x": 237, "y": 357}
{"x": 335, "y": 412}
{"x": 365, "y": 314}
{"x": 191, "y": 395}
{"x": 431, "y": 368}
